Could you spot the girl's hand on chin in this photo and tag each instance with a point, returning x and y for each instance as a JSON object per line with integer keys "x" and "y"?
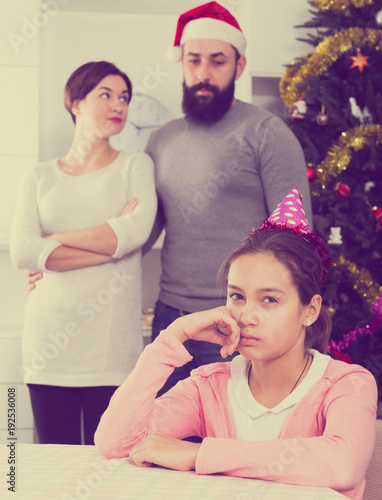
{"x": 207, "y": 326}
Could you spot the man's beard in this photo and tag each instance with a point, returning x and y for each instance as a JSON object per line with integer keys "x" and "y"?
{"x": 207, "y": 110}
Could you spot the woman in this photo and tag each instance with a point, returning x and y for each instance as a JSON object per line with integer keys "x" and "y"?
{"x": 81, "y": 219}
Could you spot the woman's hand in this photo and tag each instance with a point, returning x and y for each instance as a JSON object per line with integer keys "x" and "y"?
{"x": 31, "y": 277}
{"x": 208, "y": 326}
{"x": 166, "y": 451}
{"x": 129, "y": 207}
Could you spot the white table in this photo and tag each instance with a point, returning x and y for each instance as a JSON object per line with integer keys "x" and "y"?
{"x": 49, "y": 472}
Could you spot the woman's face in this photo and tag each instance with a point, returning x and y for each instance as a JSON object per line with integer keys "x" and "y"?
{"x": 103, "y": 112}
{"x": 265, "y": 303}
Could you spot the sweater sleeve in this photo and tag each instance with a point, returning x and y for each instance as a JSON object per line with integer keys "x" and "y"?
{"x": 132, "y": 230}
{"x": 282, "y": 165}
{"x": 134, "y": 411}
{"x": 159, "y": 225}
{"x": 338, "y": 459}
{"x": 28, "y": 248}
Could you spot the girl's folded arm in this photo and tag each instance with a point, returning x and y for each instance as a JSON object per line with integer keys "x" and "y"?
{"x": 134, "y": 412}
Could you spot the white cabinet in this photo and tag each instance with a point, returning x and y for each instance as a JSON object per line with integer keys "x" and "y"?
{"x": 10, "y": 378}
{"x": 20, "y": 26}
{"x": 12, "y": 305}
{"x": 271, "y": 33}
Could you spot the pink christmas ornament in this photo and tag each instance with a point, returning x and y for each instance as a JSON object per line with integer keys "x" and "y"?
{"x": 342, "y": 190}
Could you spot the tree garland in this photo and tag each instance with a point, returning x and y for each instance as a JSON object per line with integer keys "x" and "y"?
{"x": 341, "y": 4}
{"x": 368, "y": 289}
{"x": 340, "y": 155}
{"x": 327, "y": 52}
{"x": 371, "y": 329}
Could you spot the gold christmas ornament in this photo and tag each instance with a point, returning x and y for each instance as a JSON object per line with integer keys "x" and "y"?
{"x": 340, "y": 154}
{"x": 341, "y": 4}
{"x": 296, "y": 76}
{"x": 364, "y": 284}
{"x": 332, "y": 311}
{"x": 322, "y": 119}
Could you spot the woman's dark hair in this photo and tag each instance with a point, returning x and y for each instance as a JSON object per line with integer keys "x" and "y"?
{"x": 85, "y": 78}
{"x": 305, "y": 266}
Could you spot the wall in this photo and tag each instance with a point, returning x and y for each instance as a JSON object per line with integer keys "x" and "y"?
{"x": 272, "y": 34}
{"x": 137, "y": 43}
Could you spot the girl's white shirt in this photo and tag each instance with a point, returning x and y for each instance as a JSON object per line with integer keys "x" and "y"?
{"x": 255, "y": 422}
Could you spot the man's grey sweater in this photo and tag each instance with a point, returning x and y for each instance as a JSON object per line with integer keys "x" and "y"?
{"x": 215, "y": 183}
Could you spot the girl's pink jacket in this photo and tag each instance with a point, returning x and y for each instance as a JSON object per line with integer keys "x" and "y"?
{"x": 326, "y": 441}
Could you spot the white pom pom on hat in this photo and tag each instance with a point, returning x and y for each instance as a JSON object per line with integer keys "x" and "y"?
{"x": 210, "y": 21}
{"x": 174, "y": 54}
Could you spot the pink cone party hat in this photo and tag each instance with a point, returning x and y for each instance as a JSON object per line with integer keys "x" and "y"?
{"x": 290, "y": 211}
{"x": 290, "y": 216}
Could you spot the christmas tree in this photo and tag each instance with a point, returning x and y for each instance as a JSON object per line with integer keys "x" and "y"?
{"x": 334, "y": 96}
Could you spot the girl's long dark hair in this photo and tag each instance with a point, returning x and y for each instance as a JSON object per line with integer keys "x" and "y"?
{"x": 306, "y": 270}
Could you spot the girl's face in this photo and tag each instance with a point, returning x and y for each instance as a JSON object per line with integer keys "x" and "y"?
{"x": 103, "y": 111}
{"x": 265, "y": 303}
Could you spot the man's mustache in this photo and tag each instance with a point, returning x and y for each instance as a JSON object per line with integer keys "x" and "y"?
{"x": 203, "y": 86}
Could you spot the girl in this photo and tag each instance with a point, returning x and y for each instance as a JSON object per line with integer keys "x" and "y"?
{"x": 283, "y": 410}
{"x": 73, "y": 221}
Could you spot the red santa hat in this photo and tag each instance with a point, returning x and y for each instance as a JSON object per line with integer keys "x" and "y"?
{"x": 210, "y": 21}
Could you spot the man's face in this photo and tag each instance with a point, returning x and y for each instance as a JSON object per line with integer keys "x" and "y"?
{"x": 210, "y": 70}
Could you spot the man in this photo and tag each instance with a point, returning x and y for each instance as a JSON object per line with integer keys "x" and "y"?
{"x": 220, "y": 171}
